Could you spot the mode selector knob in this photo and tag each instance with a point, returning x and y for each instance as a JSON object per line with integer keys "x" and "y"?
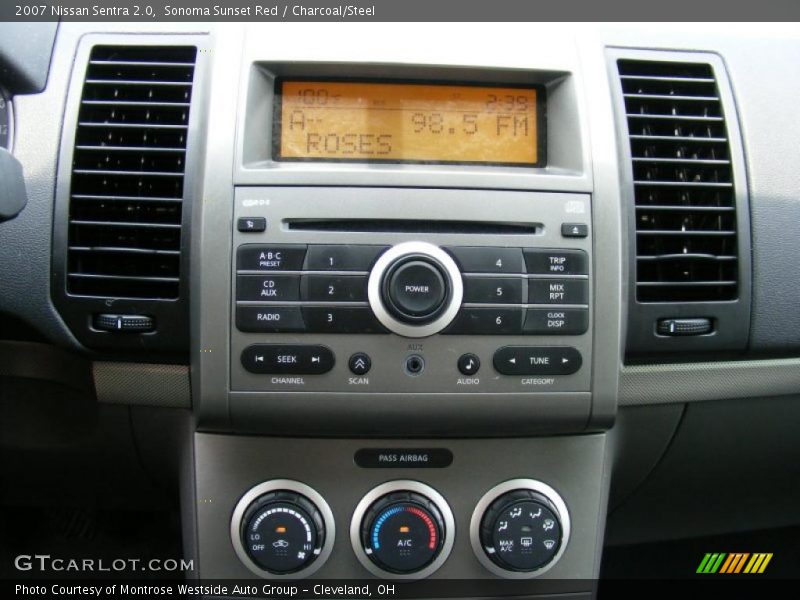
{"x": 415, "y": 289}
{"x": 520, "y": 528}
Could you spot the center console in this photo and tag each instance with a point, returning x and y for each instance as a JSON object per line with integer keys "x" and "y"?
{"x": 400, "y": 370}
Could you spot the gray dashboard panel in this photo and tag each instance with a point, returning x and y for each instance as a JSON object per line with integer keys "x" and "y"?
{"x": 666, "y": 384}
{"x": 227, "y": 466}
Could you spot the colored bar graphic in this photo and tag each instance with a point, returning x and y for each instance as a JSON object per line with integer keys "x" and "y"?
{"x": 703, "y": 563}
{"x": 734, "y": 563}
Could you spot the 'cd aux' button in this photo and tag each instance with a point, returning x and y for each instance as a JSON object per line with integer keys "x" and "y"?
{"x": 268, "y": 288}
{"x": 287, "y": 359}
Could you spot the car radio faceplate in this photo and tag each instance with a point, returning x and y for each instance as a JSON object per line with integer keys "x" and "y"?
{"x": 392, "y": 290}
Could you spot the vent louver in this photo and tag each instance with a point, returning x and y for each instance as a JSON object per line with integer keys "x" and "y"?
{"x": 127, "y": 186}
{"x": 686, "y": 236}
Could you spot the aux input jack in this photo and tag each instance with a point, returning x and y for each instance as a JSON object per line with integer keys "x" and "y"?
{"x": 415, "y": 365}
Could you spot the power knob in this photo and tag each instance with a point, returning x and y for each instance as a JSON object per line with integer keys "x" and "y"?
{"x": 415, "y": 289}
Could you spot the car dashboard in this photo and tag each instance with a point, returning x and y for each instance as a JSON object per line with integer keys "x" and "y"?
{"x": 361, "y": 309}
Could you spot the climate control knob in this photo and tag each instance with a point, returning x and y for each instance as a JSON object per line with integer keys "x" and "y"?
{"x": 279, "y": 531}
{"x": 415, "y": 289}
{"x": 520, "y": 528}
{"x": 402, "y": 530}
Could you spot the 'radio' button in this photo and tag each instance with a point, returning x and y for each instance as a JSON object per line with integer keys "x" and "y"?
{"x": 269, "y": 319}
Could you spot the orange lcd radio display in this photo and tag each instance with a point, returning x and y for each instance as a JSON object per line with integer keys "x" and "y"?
{"x": 365, "y": 121}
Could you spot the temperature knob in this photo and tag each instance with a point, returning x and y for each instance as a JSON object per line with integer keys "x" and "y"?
{"x": 405, "y": 532}
{"x": 282, "y": 529}
{"x": 283, "y": 532}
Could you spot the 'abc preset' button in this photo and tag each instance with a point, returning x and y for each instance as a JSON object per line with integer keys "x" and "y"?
{"x": 287, "y": 359}
{"x": 270, "y": 257}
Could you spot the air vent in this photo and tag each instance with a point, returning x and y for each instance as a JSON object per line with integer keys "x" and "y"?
{"x": 127, "y": 187}
{"x": 686, "y": 234}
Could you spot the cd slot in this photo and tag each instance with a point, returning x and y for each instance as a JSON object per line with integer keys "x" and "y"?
{"x": 413, "y": 226}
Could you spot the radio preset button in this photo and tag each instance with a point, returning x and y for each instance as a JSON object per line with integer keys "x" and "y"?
{"x": 486, "y": 321}
{"x": 269, "y": 319}
{"x": 268, "y": 257}
{"x": 268, "y": 288}
{"x": 556, "y": 321}
{"x": 334, "y": 288}
{"x": 342, "y": 257}
{"x": 484, "y": 259}
{"x": 556, "y": 262}
{"x": 545, "y": 360}
{"x": 287, "y": 359}
{"x": 338, "y": 319}
{"x": 558, "y": 291}
{"x": 493, "y": 290}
